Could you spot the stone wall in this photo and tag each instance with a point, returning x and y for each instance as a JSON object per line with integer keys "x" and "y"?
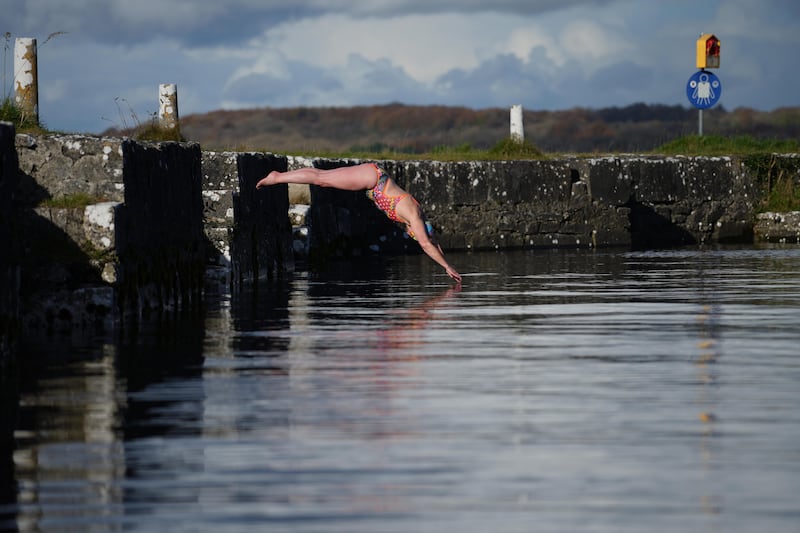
{"x": 249, "y": 230}
{"x": 57, "y": 166}
{"x": 133, "y": 245}
{"x": 637, "y": 202}
{"x": 68, "y": 252}
{"x": 150, "y": 220}
{"x": 780, "y": 228}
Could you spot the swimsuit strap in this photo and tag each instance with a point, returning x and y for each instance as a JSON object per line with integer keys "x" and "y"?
{"x": 380, "y": 185}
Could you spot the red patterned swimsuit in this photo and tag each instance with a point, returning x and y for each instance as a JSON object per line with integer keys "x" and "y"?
{"x": 388, "y": 204}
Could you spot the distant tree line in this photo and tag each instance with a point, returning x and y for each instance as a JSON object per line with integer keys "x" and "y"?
{"x": 402, "y": 128}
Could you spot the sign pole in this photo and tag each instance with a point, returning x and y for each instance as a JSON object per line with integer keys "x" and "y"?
{"x": 704, "y": 88}
{"x": 700, "y": 122}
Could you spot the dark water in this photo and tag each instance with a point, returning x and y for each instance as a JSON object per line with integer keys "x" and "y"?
{"x": 556, "y": 391}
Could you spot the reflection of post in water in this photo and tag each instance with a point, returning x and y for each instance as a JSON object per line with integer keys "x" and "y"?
{"x": 708, "y": 356}
{"x": 77, "y": 402}
{"x": 9, "y": 399}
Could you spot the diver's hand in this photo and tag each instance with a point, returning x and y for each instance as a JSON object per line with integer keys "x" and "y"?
{"x": 453, "y": 274}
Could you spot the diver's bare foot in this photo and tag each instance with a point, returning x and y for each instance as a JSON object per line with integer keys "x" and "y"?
{"x": 269, "y": 180}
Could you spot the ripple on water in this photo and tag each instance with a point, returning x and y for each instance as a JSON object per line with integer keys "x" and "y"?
{"x": 603, "y": 391}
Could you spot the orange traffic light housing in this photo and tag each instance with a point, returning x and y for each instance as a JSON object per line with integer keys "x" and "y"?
{"x": 708, "y": 51}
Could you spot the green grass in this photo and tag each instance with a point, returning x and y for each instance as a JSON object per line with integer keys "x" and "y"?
{"x": 11, "y": 112}
{"x": 692, "y": 146}
{"x": 71, "y": 201}
{"x": 715, "y": 145}
{"x": 507, "y": 149}
{"x": 156, "y": 133}
{"x": 784, "y": 196}
{"x": 778, "y": 179}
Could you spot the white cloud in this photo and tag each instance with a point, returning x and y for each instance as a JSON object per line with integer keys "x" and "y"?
{"x": 591, "y": 46}
{"x": 424, "y": 46}
{"x": 521, "y": 41}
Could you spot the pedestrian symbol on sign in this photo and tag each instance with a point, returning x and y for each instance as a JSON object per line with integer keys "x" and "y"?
{"x": 703, "y": 89}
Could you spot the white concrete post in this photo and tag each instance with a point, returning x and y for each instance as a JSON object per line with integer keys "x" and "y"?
{"x": 26, "y": 78}
{"x": 517, "y": 130}
{"x": 168, "y": 106}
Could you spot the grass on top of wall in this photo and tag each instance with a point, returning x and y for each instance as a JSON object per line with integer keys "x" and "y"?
{"x": 506, "y": 149}
{"x": 716, "y": 145}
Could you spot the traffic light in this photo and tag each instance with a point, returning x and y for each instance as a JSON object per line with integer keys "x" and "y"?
{"x": 708, "y": 51}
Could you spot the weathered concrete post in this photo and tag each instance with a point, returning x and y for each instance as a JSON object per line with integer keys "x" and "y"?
{"x": 168, "y": 106}
{"x": 26, "y": 78}
{"x": 517, "y": 130}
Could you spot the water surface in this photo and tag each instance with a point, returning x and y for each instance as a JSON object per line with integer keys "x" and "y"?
{"x": 555, "y": 391}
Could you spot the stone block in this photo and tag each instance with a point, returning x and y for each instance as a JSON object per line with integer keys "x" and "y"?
{"x": 707, "y": 178}
{"x": 261, "y": 237}
{"x": 161, "y": 244}
{"x": 68, "y": 220}
{"x": 468, "y": 183}
{"x": 778, "y": 227}
{"x": 98, "y": 224}
{"x": 66, "y": 165}
{"x": 608, "y": 182}
{"x": 657, "y": 180}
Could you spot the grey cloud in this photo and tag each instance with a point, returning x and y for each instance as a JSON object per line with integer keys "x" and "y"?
{"x": 362, "y": 82}
{"x": 621, "y": 82}
{"x": 84, "y": 72}
{"x": 296, "y": 89}
{"x": 501, "y": 81}
{"x": 210, "y": 22}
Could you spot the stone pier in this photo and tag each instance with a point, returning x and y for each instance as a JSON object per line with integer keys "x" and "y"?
{"x": 630, "y": 201}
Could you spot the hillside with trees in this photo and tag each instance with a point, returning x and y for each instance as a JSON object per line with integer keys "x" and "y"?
{"x": 422, "y": 129}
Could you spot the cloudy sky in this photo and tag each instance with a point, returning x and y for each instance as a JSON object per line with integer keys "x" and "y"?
{"x": 105, "y": 69}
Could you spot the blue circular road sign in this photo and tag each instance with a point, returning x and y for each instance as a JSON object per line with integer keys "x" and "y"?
{"x": 703, "y": 89}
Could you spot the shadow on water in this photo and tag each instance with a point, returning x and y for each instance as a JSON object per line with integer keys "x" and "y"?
{"x": 159, "y": 353}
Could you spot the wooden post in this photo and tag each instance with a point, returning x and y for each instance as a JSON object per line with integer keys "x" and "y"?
{"x": 517, "y": 129}
{"x": 26, "y": 79}
{"x": 168, "y": 106}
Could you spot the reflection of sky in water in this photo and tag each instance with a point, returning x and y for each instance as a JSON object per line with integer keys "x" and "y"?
{"x": 622, "y": 391}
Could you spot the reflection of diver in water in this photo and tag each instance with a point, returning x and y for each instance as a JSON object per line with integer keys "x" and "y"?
{"x": 376, "y": 365}
{"x": 422, "y": 312}
{"x": 397, "y": 333}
